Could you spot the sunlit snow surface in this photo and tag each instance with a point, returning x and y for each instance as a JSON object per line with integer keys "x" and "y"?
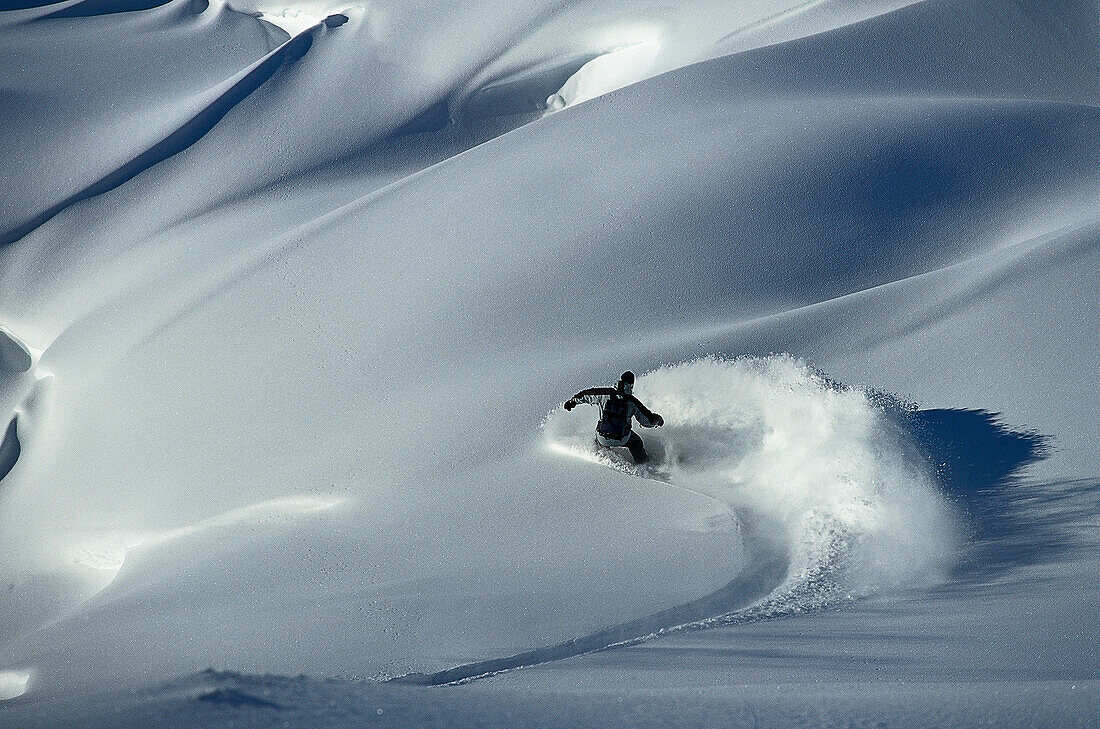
{"x": 13, "y": 683}
{"x": 291, "y": 294}
{"x": 107, "y": 552}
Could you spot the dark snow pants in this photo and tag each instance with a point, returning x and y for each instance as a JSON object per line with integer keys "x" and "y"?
{"x": 634, "y": 443}
{"x": 637, "y": 448}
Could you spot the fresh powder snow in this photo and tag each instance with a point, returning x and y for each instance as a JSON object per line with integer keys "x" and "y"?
{"x": 292, "y": 293}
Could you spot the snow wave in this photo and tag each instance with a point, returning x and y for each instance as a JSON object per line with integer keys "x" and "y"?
{"x": 772, "y": 437}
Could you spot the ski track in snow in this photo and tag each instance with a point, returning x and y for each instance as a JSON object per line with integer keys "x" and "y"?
{"x": 809, "y": 500}
{"x": 766, "y": 569}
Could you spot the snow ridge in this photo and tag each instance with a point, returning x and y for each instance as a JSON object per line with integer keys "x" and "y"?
{"x": 221, "y": 100}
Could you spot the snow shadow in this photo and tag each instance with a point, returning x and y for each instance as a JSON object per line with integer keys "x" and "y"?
{"x": 978, "y": 461}
{"x": 9, "y": 449}
{"x": 14, "y": 361}
{"x": 84, "y": 9}
{"x": 14, "y": 358}
{"x": 92, "y": 8}
{"x": 237, "y": 699}
{"x": 181, "y": 138}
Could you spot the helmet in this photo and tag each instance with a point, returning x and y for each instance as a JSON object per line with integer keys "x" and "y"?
{"x": 625, "y": 384}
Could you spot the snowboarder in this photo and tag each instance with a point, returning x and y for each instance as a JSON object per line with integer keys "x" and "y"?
{"x": 617, "y": 407}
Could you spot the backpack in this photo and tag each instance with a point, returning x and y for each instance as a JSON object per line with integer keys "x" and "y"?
{"x": 614, "y": 418}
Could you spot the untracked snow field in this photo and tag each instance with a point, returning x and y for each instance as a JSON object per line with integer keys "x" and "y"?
{"x": 292, "y": 294}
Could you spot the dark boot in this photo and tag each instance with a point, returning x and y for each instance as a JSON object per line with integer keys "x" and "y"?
{"x": 637, "y": 449}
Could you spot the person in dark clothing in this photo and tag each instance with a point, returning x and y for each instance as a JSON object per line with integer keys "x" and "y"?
{"x": 617, "y": 406}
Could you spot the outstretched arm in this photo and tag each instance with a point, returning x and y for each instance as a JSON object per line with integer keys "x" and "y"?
{"x": 591, "y": 396}
{"x": 646, "y": 417}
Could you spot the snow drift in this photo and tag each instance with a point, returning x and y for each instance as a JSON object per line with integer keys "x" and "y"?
{"x": 282, "y": 309}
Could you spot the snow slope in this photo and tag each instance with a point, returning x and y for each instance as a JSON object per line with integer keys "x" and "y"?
{"x": 290, "y": 295}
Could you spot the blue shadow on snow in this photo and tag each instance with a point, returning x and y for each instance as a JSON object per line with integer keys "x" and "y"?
{"x": 1011, "y": 522}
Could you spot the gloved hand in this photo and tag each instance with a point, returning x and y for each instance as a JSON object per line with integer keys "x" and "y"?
{"x": 569, "y": 404}
{"x": 658, "y": 421}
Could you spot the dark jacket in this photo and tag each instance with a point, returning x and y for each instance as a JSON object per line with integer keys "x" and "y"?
{"x": 616, "y": 410}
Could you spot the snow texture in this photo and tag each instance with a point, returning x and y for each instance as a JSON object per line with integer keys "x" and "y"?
{"x": 292, "y": 291}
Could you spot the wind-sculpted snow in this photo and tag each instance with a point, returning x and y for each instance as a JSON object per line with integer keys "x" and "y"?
{"x": 287, "y": 288}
